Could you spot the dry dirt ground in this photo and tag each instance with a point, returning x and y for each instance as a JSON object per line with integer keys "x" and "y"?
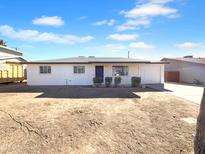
{"x": 79, "y": 120}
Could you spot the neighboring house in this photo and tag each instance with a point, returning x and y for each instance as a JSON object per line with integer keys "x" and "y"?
{"x": 82, "y": 70}
{"x": 6, "y": 52}
{"x": 188, "y": 68}
{"x": 11, "y": 69}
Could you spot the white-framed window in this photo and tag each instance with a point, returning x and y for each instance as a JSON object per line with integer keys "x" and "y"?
{"x": 78, "y": 69}
{"x": 120, "y": 70}
{"x": 45, "y": 69}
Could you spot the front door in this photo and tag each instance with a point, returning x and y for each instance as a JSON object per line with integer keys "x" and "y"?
{"x": 99, "y": 72}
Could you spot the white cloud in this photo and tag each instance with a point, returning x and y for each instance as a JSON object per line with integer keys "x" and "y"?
{"x": 160, "y": 1}
{"x": 36, "y": 36}
{"x": 82, "y": 18}
{"x": 110, "y": 22}
{"x": 48, "y": 21}
{"x": 149, "y": 10}
{"x": 133, "y": 24}
{"x": 122, "y": 37}
{"x": 141, "y": 45}
{"x": 143, "y": 13}
{"x": 189, "y": 45}
{"x": 100, "y": 23}
{"x": 173, "y": 16}
{"x": 115, "y": 47}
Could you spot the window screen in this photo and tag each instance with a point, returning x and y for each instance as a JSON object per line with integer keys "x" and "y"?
{"x": 79, "y": 69}
{"x": 120, "y": 70}
{"x": 45, "y": 69}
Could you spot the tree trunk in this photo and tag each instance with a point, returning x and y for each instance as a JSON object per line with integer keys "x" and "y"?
{"x": 199, "y": 142}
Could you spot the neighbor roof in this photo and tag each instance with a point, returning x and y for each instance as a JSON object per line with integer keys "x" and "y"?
{"x": 88, "y": 60}
{"x": 9, "y": 60}
{"x": 10, "y": 51}
{"x": 191, "y": 60}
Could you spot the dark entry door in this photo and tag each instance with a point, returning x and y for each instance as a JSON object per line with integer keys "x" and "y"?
{"x": 99, "y": 72}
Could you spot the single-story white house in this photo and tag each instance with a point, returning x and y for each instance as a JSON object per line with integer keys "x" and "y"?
{"x": 81, "y": 70}
{"x": 190, "y": 69}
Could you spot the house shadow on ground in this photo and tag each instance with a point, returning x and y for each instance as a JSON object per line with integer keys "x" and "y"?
{"x": 75, "y": 92}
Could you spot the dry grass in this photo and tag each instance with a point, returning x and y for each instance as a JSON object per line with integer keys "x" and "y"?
{"x": 150, "y": 124}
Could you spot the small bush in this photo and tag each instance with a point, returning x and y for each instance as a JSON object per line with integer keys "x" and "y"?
{"x": 135, "y": 81}
{"x": 117, "y": 80}
{"x": 108, "y": 81}
{"x": 97, "y": 81}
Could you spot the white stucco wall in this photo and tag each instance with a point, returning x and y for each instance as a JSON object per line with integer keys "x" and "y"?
{"x": 62, "y": 74}
{"x": 188, "y": 71}
{"x": 152, "y": 73}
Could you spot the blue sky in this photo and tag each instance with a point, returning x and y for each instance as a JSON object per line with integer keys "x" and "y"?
{"x": 149, "y": 29}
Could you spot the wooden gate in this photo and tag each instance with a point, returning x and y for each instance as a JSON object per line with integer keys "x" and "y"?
{"x": 172, "y": 76}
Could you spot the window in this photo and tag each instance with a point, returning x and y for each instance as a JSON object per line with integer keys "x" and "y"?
{"x": 45, "y": 69}
{"x": 119, "y": 70}
{"x": 79, "y": 69}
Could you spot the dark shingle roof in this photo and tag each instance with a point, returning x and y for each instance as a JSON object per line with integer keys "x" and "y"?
{"x": 87, "y": 60}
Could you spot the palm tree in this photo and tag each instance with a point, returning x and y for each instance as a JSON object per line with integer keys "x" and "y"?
{"x": 199, "y": 142}
{"x": 3, "y": 43}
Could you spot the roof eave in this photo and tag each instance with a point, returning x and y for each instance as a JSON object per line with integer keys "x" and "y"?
{"x": 161, "y": 62}
{"x": 96, "y": 62}
{"x": 181, "y": 60}
{"x": 10, "y": 51}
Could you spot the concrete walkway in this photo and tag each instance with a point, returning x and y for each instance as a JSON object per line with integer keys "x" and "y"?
{"x": 188, "y": 92}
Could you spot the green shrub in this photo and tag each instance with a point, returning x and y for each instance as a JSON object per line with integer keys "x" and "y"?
{"x": 135, "y": 81}
{"x": 97, "y": 81}
{"x": 108, "y": 81}
{"x": 117, "y": 80}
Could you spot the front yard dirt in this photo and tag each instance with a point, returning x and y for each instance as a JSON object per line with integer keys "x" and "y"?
{"x": 102, "y": 121}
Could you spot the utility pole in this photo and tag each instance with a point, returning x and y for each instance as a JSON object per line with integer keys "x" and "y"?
{"x": 128, "y": 54}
